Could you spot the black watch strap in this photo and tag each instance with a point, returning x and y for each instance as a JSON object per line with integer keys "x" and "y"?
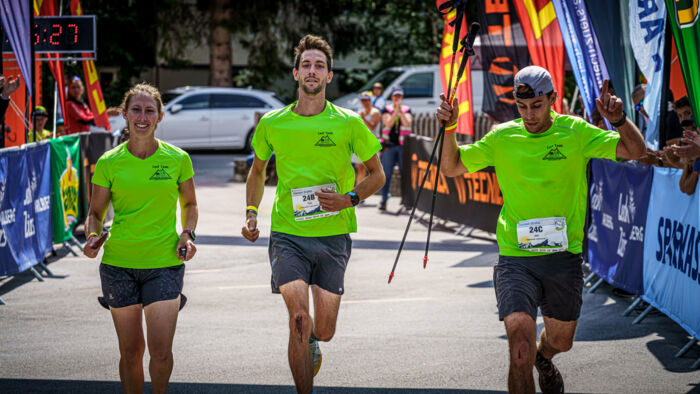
{"x": 621, "y": 122}
{"x": 354, "y": 198}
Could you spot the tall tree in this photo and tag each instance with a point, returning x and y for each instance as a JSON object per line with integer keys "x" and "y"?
{"x": 220, "y": 53}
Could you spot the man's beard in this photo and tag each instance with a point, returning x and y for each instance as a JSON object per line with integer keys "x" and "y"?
{"x": 315, "y": 91}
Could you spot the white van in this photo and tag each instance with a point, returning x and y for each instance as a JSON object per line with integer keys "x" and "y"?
{"x": 421, "y": 85}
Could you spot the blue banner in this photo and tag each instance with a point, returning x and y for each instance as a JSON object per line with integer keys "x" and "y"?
{"x": 647, "y": 34}
{"x": 672, "y": 244}
{"x": 582, "y": 48}
{"x": 619, "y": 198}
{"x": 25, "y": 192}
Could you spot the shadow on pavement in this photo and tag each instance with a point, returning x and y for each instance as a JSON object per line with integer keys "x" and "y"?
{"x": 82, "y": 386}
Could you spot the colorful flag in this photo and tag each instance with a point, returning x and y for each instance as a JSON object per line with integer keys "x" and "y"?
{"x": 501, "y": 57}
{"x": 647, "y": 33}
{"x": 584, "y": 53}
{"x": 65, "y": 186}
{"x": 92, "y": 83}
{"x": 48, "y": 7}
{"x": 544, "y": 40}
{"x": 464, "y": 85}
{"x": 684, "y": 16}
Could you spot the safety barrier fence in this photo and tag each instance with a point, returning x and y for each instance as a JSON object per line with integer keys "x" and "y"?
{"x": 44, "y": 194}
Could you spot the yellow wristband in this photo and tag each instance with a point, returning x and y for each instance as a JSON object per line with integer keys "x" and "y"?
{"x": 91, "y": 234}
{"x": 251, "y": 208}
{"x": 451, "y": 129}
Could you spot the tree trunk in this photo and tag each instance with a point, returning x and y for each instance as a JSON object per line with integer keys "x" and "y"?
{"x": 220, "y": 44}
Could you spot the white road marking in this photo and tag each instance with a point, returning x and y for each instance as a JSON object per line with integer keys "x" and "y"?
{"x": 387, "y": 300}
{"x": 244, "y": 287}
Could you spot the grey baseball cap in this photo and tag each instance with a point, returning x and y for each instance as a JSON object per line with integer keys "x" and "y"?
{"x": 537, "y": 78}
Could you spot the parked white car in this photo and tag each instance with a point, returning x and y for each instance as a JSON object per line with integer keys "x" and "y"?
{"x": 421, "y": 85}
{"x": 211, "y": 117}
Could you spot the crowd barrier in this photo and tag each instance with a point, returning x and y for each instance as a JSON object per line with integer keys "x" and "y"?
{"x": 44, "y": 194}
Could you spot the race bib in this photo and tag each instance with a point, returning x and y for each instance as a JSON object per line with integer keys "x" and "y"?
{"x": 543, "y": 235}
{"x": 306, "y": 205}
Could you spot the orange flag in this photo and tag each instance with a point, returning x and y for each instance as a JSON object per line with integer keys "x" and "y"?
{"x": 92, "y": 83}
{"x": 464, "y": 85}
{"x": 544, "y": 40}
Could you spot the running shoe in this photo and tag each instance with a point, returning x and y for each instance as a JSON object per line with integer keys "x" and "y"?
{"x": 551, "y": 381}
{"x": 315, "y": 354}
{"x": 382, "y": 205}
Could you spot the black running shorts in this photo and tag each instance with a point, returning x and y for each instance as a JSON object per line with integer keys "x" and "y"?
{"x": 319, "y": 261}
{"x": 128, "y": 286}
{"x": 552, "y": 282}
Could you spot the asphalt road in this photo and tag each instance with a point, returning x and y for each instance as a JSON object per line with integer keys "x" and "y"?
{"x": 432, "y": 330}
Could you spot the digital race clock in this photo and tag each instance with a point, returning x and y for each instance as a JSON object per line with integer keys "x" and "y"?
{"x": 61, "y": 34}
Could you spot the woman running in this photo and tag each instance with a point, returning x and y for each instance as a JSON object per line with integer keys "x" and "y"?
{"x": 142, "y": 267}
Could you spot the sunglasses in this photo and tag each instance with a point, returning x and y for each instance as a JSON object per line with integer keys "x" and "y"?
{"x": 639, "y": 106}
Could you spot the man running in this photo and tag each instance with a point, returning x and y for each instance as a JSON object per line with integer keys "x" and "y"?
{"x": 540, "y": 162}
{"x": 313, "y": 211}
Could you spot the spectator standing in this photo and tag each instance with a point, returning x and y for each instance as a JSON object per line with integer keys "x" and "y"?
{"x": 371, "y": 117}
{"x": 60, "y": 128}
{"x": 378, "y": 102}
{"x": 40, "y": 118}
{"x": 690, "y": 163}
{"x": 397, "y": 120}
{"x": 78, "y": 115}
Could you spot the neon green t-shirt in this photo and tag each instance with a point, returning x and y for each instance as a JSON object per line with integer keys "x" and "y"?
{"x": 144, "y": 196}
{"x": 312, "y": 151}
{"x": 541, "y": 175}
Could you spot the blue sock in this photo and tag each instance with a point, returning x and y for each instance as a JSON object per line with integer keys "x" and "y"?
{"x": 312, "y": 338}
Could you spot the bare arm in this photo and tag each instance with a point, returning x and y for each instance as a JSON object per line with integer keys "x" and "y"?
{"x": 406, "y": 119}
{"x": 190, "y": 214}
{"x": 99, "y": 202}
{"x": 254, "y": 189}
{"x": 631, "y": 145}
{"x": 689, "y": 179}
{"x": 451, "y": 162}
{"x": 331, "y": 201}
{"x": 388, "y": 120}
{"x": 376, "y": 118}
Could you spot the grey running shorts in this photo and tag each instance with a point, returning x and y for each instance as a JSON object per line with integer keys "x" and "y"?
{"x": 552, "y": 282}
{"x": 319, "y": 261}
{"x": 129, "y": 286}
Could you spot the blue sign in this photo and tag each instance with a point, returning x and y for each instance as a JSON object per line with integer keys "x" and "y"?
{"x": 582, "y": 48}
{"x": 619, "y": 198}
{"x": 25, "y": 211}
{"x": 672, "y": 246}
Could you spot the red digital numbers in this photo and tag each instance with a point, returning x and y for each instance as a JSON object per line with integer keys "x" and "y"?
{"x": 75, "y": 32}
{"x": 54, "y": 37}
{"x": 36, "y": 34}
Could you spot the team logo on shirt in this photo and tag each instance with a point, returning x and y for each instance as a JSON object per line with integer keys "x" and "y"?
{"x": 554, "y": 153}
{"x": 161, "y": 174}
{"x": 325, "y": 140}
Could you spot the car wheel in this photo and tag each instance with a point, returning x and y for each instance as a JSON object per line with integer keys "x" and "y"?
{"x": 249, "y": 141}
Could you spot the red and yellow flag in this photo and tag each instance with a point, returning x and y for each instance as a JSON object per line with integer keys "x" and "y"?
{"x": 544, "y": 40}
{"x": 92, "y": 83}
{"x": 464, "y": 85}
{"x": 46, "y": 8}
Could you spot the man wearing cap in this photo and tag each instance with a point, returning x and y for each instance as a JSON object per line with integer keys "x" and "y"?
{"x": 40, "y": 119}
{"x": 396, "y": 120}
{"x": 540, "y": 161}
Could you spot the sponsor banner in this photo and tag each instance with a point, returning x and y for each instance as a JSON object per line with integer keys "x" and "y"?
{"x": 25, "y": 233}
{"x": 584, "y": 53}
{"x": 647, "y": 25}
{"x": 65, "y": 186}
{"x": 671, "y": 249}
{"x": 471, "y": 199}
{"x": 92, "y": 146}
{"x": 93, "y": 90}
{"x": 619, "y": 197}
{"x": 610, "y": 19}
{"x": 503, "y": 54}
{"x": 684, "y": 17}
{"x": 39, "y": 176}
{"x": 544, "y": 40}
{"x": 463, "y": 87}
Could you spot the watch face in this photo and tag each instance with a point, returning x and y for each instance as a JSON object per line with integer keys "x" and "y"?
{"x": 355, "y": 199}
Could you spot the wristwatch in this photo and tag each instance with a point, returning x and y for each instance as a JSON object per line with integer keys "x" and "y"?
{"x": 190, "y": 233}
{"x": 354, "y": 198}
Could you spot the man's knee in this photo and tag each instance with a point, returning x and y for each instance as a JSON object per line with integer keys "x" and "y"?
{"x": 521, "y": 331}
{"x": 560, "y": 343}
{"x": 160, "y": 355}
{"x": 324, "y": 334}
{"x": 521, "y": 354}
{"x": 300, "y": 324}
{"x": 133, "y": 351}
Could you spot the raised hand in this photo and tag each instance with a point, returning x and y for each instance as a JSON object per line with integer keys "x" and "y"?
{"x": 609, "y": 105}
{"x": 446, "y": 113}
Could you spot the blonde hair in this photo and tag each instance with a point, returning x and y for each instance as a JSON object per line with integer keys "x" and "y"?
{"x": 146, "y": 89}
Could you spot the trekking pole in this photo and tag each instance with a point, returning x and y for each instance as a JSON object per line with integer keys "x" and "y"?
{"x": 467, "y": 44}
{"x": 459, "y": 6}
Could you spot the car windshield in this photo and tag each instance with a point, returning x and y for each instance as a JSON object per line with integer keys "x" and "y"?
{"x": 385, "y": 78}
{"x": 169, "y": 96}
